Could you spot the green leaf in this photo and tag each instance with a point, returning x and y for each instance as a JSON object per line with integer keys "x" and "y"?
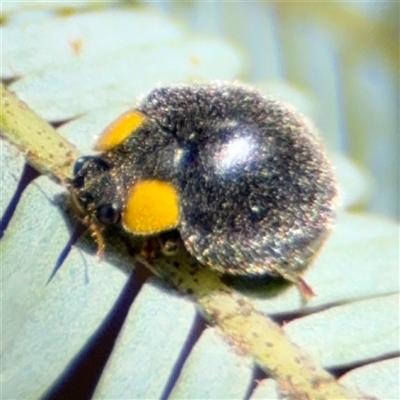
{"x": 156, "y": 329}
{"x": 379, "y": 379}
{"x": 322, "y": 334}
{"x": 56, "y": 301}
{"x": 11, "y": 175}
{"x": 203, "y": 379}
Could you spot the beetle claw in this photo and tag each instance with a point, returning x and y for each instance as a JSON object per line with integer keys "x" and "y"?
{"x": 306, "y": 291}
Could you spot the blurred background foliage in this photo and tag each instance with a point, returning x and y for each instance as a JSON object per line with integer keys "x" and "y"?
{"x": 343, "y": 57}
{"x": 336, "y": 61}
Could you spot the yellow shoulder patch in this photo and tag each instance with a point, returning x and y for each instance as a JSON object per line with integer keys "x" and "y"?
{"x": 152, "y": 206}
{"x": 119, "y": 130}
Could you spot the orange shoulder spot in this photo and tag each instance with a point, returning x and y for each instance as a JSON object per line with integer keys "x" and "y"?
{"x": 119, "y": 130}
{"x": 152, "y": 206}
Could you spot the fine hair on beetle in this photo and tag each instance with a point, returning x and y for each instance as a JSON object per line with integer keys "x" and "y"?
{"x": 242, "y": 177}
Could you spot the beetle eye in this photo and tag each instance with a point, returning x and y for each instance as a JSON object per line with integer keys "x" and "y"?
{"x": 80, "y": 162}
{"x": 98, "y": 164}
{"x": 93, "y": 163}
{"x": 108, "y": 214}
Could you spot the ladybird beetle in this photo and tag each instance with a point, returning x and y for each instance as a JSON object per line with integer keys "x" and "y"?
{"x": 240, "y": 176}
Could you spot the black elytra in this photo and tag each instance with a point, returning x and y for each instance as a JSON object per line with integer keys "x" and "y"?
{"x": 256, "y": 193}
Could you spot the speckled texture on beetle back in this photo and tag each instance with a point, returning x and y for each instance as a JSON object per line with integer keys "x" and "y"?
{"x": 256, "y": 192}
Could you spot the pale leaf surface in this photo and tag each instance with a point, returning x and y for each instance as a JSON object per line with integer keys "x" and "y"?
{"x": 12, "y": 165}
{"x": 380, "y": 379}
{"x": 266, "y": 389}
{"x": 228, "y": 375}
{"x": 350, "y": 333}
{"x": 47, "y": 320}
{"x": 156, "y": 328}
{"x": 82, "y": 67}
